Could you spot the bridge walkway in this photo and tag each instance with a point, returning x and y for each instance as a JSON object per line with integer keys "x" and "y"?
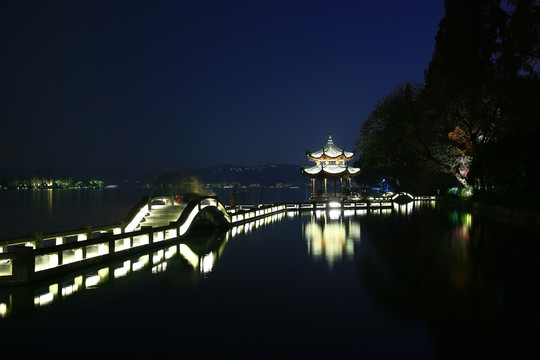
{"x": 161, "y": 215}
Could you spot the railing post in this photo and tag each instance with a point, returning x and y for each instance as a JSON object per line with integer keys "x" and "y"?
{"x": 111, "y": 242}
{"x": 37, "y": 238}
{"x": 88, "y": 229}
{"x": 24, "y": 264}
{"x": 60, "y": 257}
{"x": 148, "y": 230}
{"x": 60, "y": 240}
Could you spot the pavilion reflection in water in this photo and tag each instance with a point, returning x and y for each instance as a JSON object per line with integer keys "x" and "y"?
{"x": 331, "y": 235}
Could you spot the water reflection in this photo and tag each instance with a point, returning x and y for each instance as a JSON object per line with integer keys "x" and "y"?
{"x": 407, "y": 208}
{"x": 331, "y": 235}
{"x": 52, "y": 210}
{"x": 197, "y": 256}
{"x": 474, "y": 284}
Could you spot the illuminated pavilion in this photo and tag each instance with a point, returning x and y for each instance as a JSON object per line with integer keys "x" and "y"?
{"x": 331, "y": 163}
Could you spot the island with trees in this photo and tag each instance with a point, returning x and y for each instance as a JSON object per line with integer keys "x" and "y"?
{"x": 49, "y": 182}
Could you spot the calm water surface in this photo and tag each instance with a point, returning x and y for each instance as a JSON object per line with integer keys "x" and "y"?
{"x": 46, "y": 211}
{"x": 411, "y": 282}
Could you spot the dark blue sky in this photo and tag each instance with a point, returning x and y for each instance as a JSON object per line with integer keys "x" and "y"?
{"x": 117, "y": 86}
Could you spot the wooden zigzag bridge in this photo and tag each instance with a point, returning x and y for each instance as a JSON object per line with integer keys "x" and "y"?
{"x": 153, "y": 222}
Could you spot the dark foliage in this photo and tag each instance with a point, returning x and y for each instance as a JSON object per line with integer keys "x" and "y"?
{"x": 476, "y": 117}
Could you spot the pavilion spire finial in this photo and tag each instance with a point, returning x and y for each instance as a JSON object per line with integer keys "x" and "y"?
{"x": 330, "y": 141}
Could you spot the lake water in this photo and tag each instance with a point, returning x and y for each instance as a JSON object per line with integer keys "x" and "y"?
{"x": 47, "y": 211}
{"x": 415, "y": 281}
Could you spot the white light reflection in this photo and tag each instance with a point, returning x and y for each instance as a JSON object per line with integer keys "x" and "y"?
{"x": 3, "y": 309}
{"x": 72, "y": 288}
{"x": 204, "y": 263}
{"x": 248, "y": 227}
{"x": 119, "y": 272}
{"x": 159, "y": 268}
{"x": 140, "y": 263}
{"x": 207, "y": 262}
{"x": 91, "y": 281}
{"x": 334, "y": 214}
{"x": 331, "y": 237}
{"x": 347, "y": 213}
{"x": 48, "y": 297}
{"x": 189, "y": 255}
{"x": 405, "y": 209}
{"x": 157, "y": 256}
{"x": 170, "y": 252}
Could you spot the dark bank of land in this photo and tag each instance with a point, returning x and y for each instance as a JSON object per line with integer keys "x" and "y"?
{"x": 473, "y": 124}
{"x": 520, "y": 217}
{"x": 48, "y": 182}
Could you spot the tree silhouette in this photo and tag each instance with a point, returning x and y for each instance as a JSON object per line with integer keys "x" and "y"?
{"x": 477, "y": 115}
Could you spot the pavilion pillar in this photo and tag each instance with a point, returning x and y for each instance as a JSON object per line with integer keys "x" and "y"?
{"x": 325, "y": 186}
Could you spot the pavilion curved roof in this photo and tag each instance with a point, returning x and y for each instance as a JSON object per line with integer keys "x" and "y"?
{"x": 329, "y": 171}
{"x": 330, "y": 150}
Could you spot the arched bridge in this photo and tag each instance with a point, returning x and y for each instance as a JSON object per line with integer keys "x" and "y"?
{"x": 152, "y": 221}
{"x": 406, "y": 197}
{"x": 164, "y": 210}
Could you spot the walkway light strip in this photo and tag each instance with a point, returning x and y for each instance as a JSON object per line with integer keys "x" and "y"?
{"x": 184, "y": 228}
{"x": 137, "y": 219}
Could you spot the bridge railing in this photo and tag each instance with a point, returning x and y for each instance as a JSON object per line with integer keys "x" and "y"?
{"x": 247, "y": 212}
{"x": 32, "y": 258}
{"x": 40, "y": 255}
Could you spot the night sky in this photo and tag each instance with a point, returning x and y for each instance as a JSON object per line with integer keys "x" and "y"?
{"x": 133, "y": 86}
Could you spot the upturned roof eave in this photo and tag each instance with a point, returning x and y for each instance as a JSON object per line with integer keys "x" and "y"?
{"x": 322, "y": 174}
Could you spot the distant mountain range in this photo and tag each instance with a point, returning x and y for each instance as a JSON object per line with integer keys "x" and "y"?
{"x": 264, "y": 175}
